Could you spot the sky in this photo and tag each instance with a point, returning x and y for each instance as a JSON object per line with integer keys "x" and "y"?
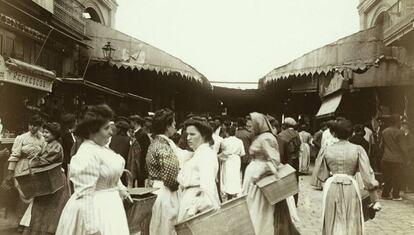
{"x": 237, "y": 40}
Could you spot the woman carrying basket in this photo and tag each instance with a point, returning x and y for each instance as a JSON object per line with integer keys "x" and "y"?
{"x": 267, "y": 219}
{"x": 342, "y": 205}
{"x": 197, "y": 176}
{"x": 46, "y": 210}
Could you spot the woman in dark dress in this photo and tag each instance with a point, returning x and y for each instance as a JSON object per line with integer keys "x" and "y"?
{"x": 47, "y": 209}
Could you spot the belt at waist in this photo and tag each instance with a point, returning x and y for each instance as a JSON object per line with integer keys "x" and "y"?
{"x": 343, "y": 179}
{"x": 191, "y": 186}
{"x": 105, "y": 190}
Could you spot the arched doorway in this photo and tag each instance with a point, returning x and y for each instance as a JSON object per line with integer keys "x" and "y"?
{"x": 93, "y": 14}
{"x": 380, "y": 23}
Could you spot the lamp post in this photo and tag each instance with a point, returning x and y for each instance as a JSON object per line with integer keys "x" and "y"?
{"x": 107, "y": 51}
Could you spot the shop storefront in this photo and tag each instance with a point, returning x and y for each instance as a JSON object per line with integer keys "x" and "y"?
{"x": 357, "y": 77}
{"x": 23, "y": 90}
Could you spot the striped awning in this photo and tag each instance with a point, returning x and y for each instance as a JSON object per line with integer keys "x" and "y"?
{"x": 356, "y": 52}
{"x": 132, "y": 53}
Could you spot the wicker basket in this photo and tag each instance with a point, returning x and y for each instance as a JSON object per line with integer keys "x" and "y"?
{"x": 139, "y": 212}
{"x": 232, "y": 218}
{"x": 281, "y": 186}
{"x": 41, "y": 181}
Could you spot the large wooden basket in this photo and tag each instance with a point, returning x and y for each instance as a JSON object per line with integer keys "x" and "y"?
{"x": 278, "y": 187}
{"x": 41, "y": 181}
{"x": 140, "y": 211}
{"x": 232, "y": 218}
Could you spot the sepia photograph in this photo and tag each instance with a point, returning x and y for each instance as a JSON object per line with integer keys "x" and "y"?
{"x": 206, "y": 117}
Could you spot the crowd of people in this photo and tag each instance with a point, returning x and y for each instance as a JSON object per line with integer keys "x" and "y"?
{"x": 196, "y": 165}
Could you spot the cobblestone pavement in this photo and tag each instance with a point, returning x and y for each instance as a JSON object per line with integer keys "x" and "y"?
{"x": 396, "y": 217}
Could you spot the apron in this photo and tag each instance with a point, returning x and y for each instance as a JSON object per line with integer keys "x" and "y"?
{"x": 326, "y": 188}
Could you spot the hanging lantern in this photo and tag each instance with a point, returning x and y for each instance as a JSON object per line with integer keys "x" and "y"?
{"x": 107, "y": 51}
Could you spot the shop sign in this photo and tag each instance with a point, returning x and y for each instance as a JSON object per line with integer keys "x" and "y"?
{"x": 23, "y": 79}
{"x": 20, "y": 27}
{"x": 46, "y": 4}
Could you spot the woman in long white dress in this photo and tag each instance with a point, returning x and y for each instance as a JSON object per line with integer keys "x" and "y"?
{"x": 163, "y": 167}
{"x": 267, "y": 219}
{"x": 232, "y": 151}
{"x": 95, "y": 170}
{"x": 197, "y": 176}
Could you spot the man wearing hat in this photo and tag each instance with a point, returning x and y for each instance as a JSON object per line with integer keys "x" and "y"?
{"x": 290, "y": 140}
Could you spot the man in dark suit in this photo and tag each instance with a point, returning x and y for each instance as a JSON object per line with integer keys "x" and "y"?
{"x": 290, "y": 140}
{"x": 120, "y": 143}
{"x": 245, "y": 134}
{"x": 141, "y": 136}
{"x": 68, "y": 138}
{"x": 394, "y": 158}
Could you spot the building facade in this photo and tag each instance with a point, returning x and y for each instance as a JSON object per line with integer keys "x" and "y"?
{"x": 39, "y": 41}
{"x": 102, "y": 11}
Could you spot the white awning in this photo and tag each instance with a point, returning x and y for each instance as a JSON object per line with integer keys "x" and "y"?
{"x": 329, "y": 105}
{"x": 24, "y": 74}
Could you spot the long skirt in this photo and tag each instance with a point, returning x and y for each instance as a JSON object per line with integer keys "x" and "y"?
{"x": 304, "y": 158}
{"x": 46, "y": 211}
{"x": 342, "y": 213}
{"x": 231, "y": 175}
{"x": 109, "y": 215}
{"x": 164, "y": 211}
{"x": 314, "y": 179}
{"x": 261, "y": 211}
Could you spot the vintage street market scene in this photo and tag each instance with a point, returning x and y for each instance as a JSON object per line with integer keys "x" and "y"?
{"x": 183, "y": 117}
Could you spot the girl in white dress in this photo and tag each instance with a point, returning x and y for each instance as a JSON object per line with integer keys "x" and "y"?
{"x": 232, "y": 151}
{"x": 95, "y": 170}
{"x": 197, "y": 176}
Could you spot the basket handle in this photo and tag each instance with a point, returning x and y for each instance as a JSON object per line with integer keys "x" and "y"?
{"x": 129, "y": 176}
{"x": 30, "y": 163}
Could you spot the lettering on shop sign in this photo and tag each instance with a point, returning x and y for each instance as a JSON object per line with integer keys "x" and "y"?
{"x": 26, "y": 80}
{"x": 20, "y": 27}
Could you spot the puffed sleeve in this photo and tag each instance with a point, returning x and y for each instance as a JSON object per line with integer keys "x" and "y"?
{"x": 85, "y": 173}
{"x": 52, "y": 154}
{"x": 169, "y": 166}
{"x": 208, "y": 165}
{"x": 16, "y": 152}
{"x": 321, "y": 171}
{"x": 367, "y": 174}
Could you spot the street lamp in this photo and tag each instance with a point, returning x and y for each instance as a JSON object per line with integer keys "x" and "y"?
{"x": 107, "y": 51}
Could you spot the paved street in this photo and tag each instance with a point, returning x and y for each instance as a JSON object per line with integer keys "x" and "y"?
{"x": 395, "y": 217}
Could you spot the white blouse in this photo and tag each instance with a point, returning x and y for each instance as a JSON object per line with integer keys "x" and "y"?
{"x": 94, "y": 168}
{"x": 201, "y": 170}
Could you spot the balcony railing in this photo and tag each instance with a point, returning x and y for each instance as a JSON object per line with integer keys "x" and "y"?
{"x": 69, "y": 12}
